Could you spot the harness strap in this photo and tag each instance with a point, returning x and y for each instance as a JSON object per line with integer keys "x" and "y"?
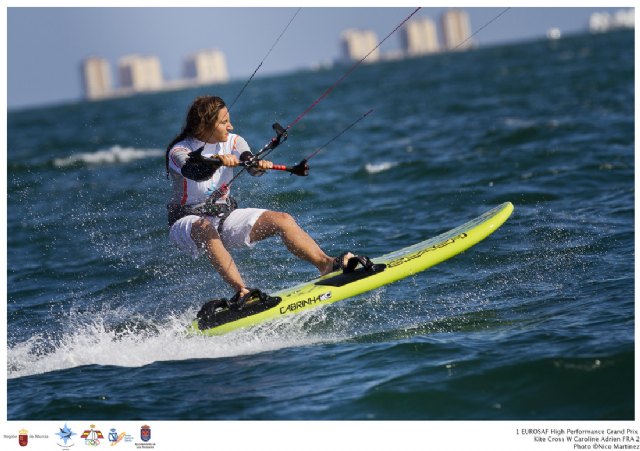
{"x": 221, "y": 211}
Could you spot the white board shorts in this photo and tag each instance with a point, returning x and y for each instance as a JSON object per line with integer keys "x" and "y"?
{"x": 235, "y": 230}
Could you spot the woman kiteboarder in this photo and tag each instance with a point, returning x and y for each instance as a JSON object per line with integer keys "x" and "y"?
{"x": 204, "y": 218}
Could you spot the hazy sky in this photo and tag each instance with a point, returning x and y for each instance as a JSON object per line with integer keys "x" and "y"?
{"x": 47, "y": 45}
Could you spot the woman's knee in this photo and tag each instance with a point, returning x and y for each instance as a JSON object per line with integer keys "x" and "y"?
{"x": 203, "y": 231}
{"x": 272, "y": 223}
{"x": 281, "y": 220}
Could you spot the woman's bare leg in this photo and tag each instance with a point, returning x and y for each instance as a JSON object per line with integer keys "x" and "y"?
{"x": 298, "y": 241}
{"x": 205, "y": 235}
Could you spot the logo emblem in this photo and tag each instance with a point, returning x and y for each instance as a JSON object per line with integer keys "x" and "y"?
{"x": 114, "y": 438}
{"x": 145, "y": 433}
{"x": 23, "y": 437}
{"x": 65, "y": 435}
{"x": 92, "y": 436}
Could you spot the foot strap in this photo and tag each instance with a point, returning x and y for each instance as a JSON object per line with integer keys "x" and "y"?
{"x": 254, "y": 296}
{"x": 220, "y": 311}
{"x": 366, "y": 263}
{"x": 353, "y": 262}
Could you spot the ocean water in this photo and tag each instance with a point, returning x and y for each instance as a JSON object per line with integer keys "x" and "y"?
{"x": 534, "y": 323}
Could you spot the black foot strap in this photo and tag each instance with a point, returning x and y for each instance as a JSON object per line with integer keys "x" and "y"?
{"x": 220, "y": 311}
{"x": 352, "y": 273}
{"x": 338, "y": 262}
{"x": 367, "y": 264}
{"x": 353, "y": 262}
{"x": 238, "y": 302}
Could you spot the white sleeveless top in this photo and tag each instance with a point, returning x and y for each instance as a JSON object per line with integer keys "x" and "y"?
{"x": 192, "y": 193}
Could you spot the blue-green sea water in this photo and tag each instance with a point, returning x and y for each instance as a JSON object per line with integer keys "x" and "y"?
{"x": 535, "y": 322}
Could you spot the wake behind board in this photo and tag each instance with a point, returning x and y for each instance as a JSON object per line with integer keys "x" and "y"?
{"x": 338, "y": 286}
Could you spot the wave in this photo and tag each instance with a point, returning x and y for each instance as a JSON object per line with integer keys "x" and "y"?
{"x": 140, "y": 342}
{"x": 115, "y": 154}
{"x": 374, "y": 168}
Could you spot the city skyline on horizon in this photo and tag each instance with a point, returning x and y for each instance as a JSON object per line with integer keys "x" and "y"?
{"x": 57, "y": 45}
{"x": 417, "y": 37}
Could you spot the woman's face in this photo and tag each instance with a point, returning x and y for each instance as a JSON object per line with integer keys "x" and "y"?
{"x": 223, "y": 126}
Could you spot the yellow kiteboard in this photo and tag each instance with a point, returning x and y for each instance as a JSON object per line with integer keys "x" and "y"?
{"x": 338, "y": 286}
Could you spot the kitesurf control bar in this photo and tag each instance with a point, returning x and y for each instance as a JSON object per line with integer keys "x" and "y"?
{"x": 248, "y": 160}
{"x": 301, "y": 169}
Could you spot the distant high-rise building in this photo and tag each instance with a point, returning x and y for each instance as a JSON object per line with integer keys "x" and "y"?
{"x": 419, "y": 37}
{"x": 96, "y": 78}
{"x": 356, "y": 44}
{"x": 599, "y": 22}
{"x": 456, "y": 29}
{"x": 603, "y": 22}
{"x": 207, "y": 66}
{"x": 140, "y": 73}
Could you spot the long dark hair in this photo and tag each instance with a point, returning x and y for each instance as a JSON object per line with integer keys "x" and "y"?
{"x": 201, "y": 117}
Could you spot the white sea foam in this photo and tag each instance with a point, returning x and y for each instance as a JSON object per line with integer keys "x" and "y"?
{"x": 374, "y": 168}
{"x": 115, "y": 154}
{"x": 95, "y": 344}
